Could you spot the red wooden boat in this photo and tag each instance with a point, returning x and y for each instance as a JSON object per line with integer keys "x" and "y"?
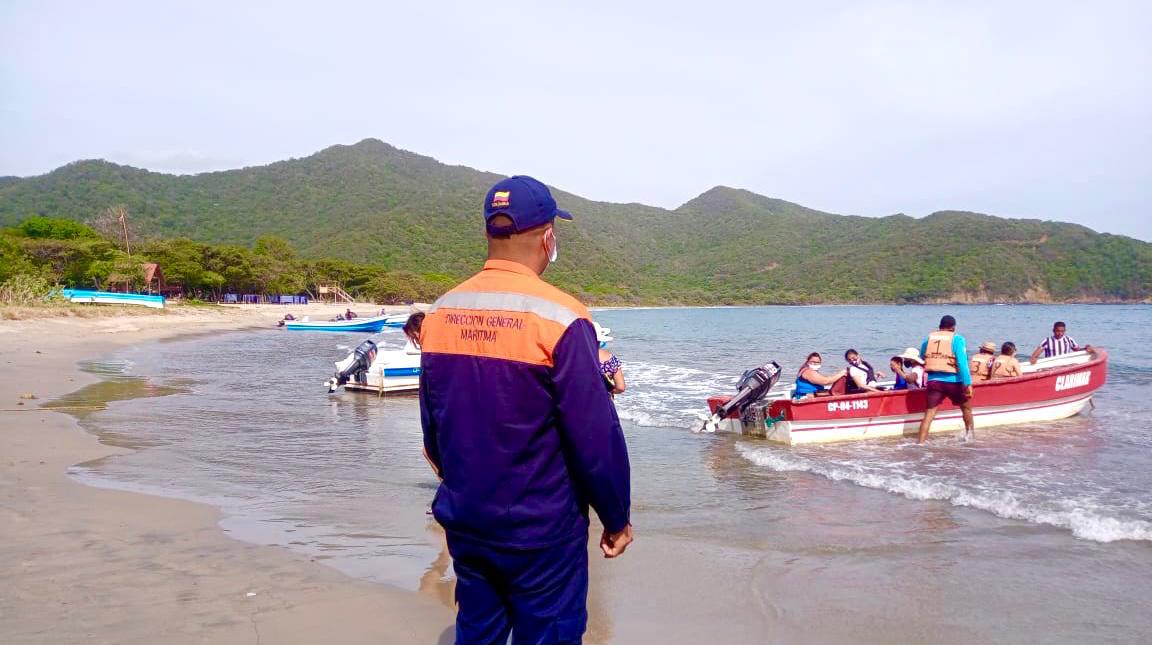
{"x": 1054, "y": 389}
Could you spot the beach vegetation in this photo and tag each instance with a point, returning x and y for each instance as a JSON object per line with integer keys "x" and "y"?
{"x": 25, "y": 290}
{"x": 392, "y": 225}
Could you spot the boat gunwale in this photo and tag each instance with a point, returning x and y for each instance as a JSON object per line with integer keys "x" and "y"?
{"x": 1100, "y": 356}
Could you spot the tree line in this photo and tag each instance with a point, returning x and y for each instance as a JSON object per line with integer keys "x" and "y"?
{"x": 56, "y": 252}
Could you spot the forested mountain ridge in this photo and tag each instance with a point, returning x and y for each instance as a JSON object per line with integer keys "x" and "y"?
{"x": 373, "y": 203}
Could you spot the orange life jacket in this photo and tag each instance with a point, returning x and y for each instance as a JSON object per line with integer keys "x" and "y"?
{"x": 1005, "y": 367}
{"x": 938, "y": 356}
{"x": 982, "y": 366}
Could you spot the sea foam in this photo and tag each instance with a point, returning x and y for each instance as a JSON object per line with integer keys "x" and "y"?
{"x": 1076, "y": 515}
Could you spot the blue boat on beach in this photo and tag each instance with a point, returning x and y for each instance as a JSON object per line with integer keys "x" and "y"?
{"x": 374, "y": 324}
{"x": 113, "y": 298}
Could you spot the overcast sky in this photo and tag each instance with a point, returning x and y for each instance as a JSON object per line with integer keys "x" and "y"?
{"x": 1020, "y": 109}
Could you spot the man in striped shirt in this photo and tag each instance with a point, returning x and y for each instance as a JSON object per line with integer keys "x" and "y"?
{"x": 1057, "y": 344}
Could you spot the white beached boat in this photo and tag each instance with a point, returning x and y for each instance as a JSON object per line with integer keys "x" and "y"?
{"x": 1054, "y": 388}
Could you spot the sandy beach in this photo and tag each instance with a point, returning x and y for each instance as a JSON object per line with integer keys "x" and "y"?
{"x": 737, "y": 542}
{"x": 89, "y": 565}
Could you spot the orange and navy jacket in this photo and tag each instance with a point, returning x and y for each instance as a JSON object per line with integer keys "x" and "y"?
{"x": 515, "y": 413}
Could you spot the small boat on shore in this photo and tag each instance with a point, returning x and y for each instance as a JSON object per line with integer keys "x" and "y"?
{"x": 1052, "y": 389}
{"x": 372, "y": 325}
{"x": 113, "y": 298}
{"x": 367, "y": 369}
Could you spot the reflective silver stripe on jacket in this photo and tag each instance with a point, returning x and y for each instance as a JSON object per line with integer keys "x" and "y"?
{"x": 507, "y": 301}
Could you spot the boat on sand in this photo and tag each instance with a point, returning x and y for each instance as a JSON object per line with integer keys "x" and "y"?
{"x": 112, "y": 298}
{"x": 1052, "y": 389}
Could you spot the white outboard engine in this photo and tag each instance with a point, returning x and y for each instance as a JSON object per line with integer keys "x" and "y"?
{"x": 354, "y": 366}
{"x": 751, "y": 387}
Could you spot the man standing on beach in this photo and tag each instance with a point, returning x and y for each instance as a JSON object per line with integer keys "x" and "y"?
{"x": 519, "y": 426}
{"x": 946, "y": 362}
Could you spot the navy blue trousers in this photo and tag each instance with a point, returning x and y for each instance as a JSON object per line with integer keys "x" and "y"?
{"x": 540, "y": 596}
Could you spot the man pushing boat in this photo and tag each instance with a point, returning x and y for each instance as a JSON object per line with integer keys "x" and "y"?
{"x": 946, "y": 362}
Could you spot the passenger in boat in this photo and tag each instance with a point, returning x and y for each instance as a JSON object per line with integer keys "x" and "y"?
{"x": 1006, "y": 365}
{"x": 948, "y": 376}
{"x": 1057, "y": 344}
{"x": 897, "y": 365}
{"x": 908, "y": 370}
{"x": 412, "y": 331}
{"x": 809, "y": 380}
{"x": 610, "y": 367}
{"x": 349, "y": 314}
{"x": 981, "y": 363}
{"x": 861, "y": 376}
{"x": 913, "y": 369}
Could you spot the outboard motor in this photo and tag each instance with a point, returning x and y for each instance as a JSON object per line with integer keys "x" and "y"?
{"x": 354, "y": 366}
{"x": 751, "y": 387}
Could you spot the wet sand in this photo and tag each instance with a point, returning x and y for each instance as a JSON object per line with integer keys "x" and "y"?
{"x": 82, "y": 564}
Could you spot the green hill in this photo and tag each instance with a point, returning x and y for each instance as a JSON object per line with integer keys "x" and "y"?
{"x": 375, "y": 204}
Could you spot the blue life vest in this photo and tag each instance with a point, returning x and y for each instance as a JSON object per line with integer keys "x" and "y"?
{"x": 804, "y": 387}
{"x": 901, "y": 384}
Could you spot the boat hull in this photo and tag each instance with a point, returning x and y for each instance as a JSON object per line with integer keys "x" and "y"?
{"x": 370, "y": 325}
{"x": 392, "y": 371}
{"x": 113, "y": 298}
{"x": 1047, "y": 395}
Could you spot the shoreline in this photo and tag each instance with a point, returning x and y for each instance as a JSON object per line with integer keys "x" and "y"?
{"x": 1130, "y": 303}
{"x": 99, "y": 565}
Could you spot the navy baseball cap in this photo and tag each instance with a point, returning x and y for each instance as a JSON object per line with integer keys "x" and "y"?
{"x": 523, "y": 199}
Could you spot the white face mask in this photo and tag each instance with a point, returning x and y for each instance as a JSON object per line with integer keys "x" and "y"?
{"x": 815, "y": 366}
{"x": 551, "y": 247}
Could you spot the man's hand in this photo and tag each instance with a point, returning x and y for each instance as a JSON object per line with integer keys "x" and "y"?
{"x": 968, "y": 391}
{"x": 614, "y": 544}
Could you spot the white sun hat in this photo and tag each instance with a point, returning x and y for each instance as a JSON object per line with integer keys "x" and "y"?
{"x": 912, "y": 354}
{"x": 603, "y": 334}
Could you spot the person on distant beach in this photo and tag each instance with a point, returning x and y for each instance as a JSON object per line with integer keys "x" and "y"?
{"x": 1006, "y": 364}
{"x": 948, "y": 376}
{"x": 412, "y": 331}
{"x": 610, "y": 367}
{"x": 519, "y": 424}
{"x": 809, "y": 380}
{"x": 981, "y": 363}
{"x": 1057, "y": 344}
{"x": 861, "y": 376}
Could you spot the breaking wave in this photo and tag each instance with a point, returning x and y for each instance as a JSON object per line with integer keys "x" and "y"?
{"x": 1079, "y": 514}
{"x": 668, "y": 396}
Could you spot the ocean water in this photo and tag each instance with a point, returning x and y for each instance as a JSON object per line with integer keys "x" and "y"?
{"x": 1036, "y": 533}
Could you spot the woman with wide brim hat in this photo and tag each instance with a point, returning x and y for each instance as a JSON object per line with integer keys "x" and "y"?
{"x": 610, "y": 367}
{"x": 909, "y": 367}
